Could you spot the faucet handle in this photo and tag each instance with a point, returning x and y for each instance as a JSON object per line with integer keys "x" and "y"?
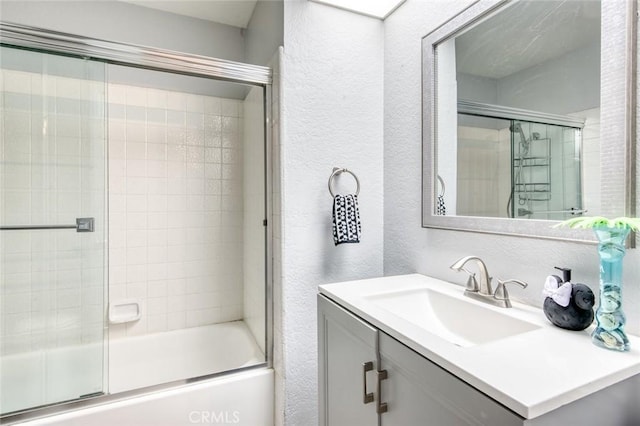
{"x": 472, "y": 283}
{"x": 501, "y": 292}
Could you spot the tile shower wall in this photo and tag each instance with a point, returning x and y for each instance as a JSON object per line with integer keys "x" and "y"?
{"x": 52, "y": 140}
{"x": 176, "y": 208}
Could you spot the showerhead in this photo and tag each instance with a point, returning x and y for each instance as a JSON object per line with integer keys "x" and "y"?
{"x": 517, "y": 128}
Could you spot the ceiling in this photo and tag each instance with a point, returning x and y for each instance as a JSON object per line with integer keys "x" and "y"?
{"x": 230, "y": 12}
{"x": 526, "y": 34}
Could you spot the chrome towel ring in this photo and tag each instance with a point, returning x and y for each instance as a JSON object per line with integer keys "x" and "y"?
{"x": 441, "y": 185}
{"x": 336, "y": 172}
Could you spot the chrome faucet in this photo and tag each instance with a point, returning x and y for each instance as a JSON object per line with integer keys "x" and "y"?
{"x": 484, "y": 286}
{"x": 481, "y": 289}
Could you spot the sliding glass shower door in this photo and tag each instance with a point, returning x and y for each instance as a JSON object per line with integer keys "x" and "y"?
{"x": 52, "y": 241}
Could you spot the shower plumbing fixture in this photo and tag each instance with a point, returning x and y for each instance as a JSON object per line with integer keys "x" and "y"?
{"x": 518, "y": 177}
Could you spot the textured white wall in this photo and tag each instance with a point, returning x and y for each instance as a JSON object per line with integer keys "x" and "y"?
{"x": 332, "y": 115}
{"x": 410, "y": 248}
{"x": 264, "y": 33}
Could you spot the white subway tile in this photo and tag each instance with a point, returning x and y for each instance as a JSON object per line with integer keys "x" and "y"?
{"x": 136, "y": 221}
{"x": 136, "y": 96}
{"x": 156, "y": 134}
{"x": 157, "y": 203}
{"x": 117, "y": 274}
{"x": 136, "y": 168}
{"x": 156, "y": 151}
{"x": 212, "y": 105}
{"x": 157, "y": 237}
{"x": 229, "y": 107}
{"x": 136, "y": 150}
{"x": 138, "y": 327}
{"x": 156, "y": 98}
{"x": 117, "y": 150}
{"x": 16, "y": 81}
{"x": 137, "y": 290}
{"x": 195, "y": 137}
{"x": 116, "y": 93}
{"x": 176, "y": 320}
{"x": 156, "y": 168}
{"x": 157, "y": 323}
{"x": 177, "y": 303}
{"x": 177, "y": 101}
{"x": 176, "y": 135}
{"x": 156, "y": 305}
{"x": 135, "y": 131}
{"x": 117, "y": 257}
{"x": 157, "y": 254}
{"x": 176, "y": 287}
{"x": 136, "y": 185}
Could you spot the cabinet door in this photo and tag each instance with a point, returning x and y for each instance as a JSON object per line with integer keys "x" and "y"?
{"x": 345, "y": 344}
{"x": 418, "y": 392}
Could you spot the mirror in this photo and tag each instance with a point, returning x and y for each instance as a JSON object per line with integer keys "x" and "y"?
{"x": 527, "y": 116}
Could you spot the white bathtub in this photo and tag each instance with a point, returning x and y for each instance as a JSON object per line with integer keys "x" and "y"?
{"x": 136, "y": 362}
{"x": 242, "y": 398}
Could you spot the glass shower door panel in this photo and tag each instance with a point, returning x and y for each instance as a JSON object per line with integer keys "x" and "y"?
{"x": 52, "y": 281}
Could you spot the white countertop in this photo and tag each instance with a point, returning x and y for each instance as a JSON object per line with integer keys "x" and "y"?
{"x": 545, "y": 368}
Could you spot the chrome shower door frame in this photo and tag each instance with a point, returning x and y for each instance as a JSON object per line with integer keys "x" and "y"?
{"x": 149, "y": 58}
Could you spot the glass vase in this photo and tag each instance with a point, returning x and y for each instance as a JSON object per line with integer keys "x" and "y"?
{"x": 610, "y": 319}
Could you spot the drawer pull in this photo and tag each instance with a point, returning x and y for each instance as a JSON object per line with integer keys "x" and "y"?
{"x": 381, "y": 406}
{"x": 367, "y": 397}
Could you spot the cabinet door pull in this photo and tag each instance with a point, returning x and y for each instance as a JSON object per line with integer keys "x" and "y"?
{"x": 367, "y": 397}
{"x": 381, "y": 406}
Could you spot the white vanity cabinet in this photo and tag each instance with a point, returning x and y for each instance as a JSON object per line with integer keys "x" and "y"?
{"x": 415, "y": 391}
{"x": 408, "y": 389}
{"x": 347, "y": 348}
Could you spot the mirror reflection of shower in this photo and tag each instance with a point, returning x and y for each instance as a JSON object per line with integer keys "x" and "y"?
{"x": 540, "y": 188}
{"x": 510, "y": 163}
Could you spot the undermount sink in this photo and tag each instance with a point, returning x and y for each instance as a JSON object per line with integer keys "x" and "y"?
{"x": 458, "y": 321}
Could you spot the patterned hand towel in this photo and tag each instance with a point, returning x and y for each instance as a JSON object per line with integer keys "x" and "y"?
{"x": 346, "y": 219}
{"x": 441, "y": 209}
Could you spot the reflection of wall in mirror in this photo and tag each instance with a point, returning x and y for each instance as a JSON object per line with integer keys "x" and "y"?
{"x": 447, "y": 118}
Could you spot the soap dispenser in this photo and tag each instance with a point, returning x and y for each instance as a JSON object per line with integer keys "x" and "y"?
{"x": 568, "y": 305}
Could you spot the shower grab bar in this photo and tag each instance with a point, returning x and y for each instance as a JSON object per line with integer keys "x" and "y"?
{"x": 83, "y": 224}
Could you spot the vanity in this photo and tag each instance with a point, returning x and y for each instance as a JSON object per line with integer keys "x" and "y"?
{"x": 515, "y": 139}
{"x": 411, "y": 349}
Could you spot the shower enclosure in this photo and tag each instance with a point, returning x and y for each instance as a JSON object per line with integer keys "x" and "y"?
{"x": 518, "y": 164}
{"x": 133, "y": 215}
{"x": 545, "y": 171}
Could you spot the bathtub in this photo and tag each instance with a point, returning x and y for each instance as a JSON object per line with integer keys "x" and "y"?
{"x": 240, "y": 398}
{"x": 136, "y": 362}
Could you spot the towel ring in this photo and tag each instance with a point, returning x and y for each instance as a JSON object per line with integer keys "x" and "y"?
{"x": 336, "y": 172}
{"x": 441, "y": 184}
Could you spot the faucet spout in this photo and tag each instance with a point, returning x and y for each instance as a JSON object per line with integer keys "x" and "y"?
{"x": 484, "y": 286}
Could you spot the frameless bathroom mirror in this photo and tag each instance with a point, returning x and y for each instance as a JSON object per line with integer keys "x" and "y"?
{"x": 527, "y": 116}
